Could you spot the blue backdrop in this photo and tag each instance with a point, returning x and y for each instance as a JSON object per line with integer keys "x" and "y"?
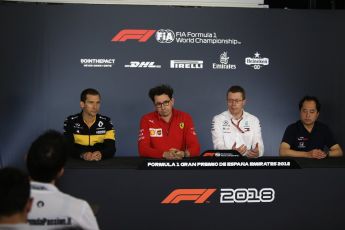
{"x": 43, "y": 47}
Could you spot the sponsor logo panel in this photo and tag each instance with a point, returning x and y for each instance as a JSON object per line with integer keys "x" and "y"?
{"x": 97, "y": 62}
{"x": 189, "y": 37}
{"x": 224, "y": 63}
{"x": 199, "y": 196}
{"x": 141, "y": 35}
{"x": 186, "y": 64}
{"x": 257, "y": 62}
{"x": 226, "y": 195}
{"x": 166, "y": 36}
{"x": 142, "y": 64}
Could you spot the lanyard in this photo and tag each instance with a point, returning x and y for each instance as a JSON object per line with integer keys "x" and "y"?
{"x": 237, "y": 125}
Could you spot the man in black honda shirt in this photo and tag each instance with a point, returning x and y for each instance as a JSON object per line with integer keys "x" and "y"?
{"x": 93, "y": 134}
{"x": 308, "y": 137}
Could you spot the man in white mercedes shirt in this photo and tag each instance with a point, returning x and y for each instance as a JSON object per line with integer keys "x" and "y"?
{"x": 237, "y": 129}
{"x": 52, "y": 209}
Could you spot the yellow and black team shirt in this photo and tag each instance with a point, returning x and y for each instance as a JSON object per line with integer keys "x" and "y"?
{"x": 99, "y": 137}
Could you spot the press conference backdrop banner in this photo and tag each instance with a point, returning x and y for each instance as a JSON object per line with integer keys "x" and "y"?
{"x": 51, "y": 52}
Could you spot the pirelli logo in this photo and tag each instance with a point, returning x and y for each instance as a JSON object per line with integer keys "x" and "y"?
{"x": 186, "y": 64}
{"x": 129, "y": 34}
{"x": 199, "y": 196}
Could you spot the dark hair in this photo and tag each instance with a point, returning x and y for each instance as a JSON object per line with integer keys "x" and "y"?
{"x": 14, "y": 191}
{"x": 47, "y": 156}
{"x": 89, "y": 91}
{"x": 236, "y": 89}
{"x": 310, "y": 98}
{"x": 159, "y": 90}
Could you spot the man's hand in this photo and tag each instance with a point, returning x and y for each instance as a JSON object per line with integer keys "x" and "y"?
{"x": 92, "y": 156}
{"x": 242, "y": 149}
{"x": 253, "y": 153}
{"x": 96, "y": 156}
{"x": 87, "y": 156}
{"x": 173, "y": 154}
{"x": 316, "y": 153}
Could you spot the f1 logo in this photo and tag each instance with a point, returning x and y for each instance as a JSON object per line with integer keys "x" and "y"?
{"x": 199, "y": 196}
{"x": 126, "y": 34}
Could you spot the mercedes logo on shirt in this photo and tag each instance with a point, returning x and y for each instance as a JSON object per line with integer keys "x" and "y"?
{"x": 40, "y": 204}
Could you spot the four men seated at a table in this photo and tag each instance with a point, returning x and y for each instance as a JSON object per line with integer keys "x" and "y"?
{"x": 169, "y": 133}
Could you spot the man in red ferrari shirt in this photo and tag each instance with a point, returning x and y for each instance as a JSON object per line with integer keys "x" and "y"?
{"x": 167, "y": 132}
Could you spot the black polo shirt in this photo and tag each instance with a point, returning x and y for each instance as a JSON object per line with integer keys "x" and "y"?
{"x": 299, "y": 139}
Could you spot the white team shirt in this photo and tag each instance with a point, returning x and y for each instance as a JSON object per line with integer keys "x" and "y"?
{"x": 53, "y": 209}
{"x": 226, "y": 131}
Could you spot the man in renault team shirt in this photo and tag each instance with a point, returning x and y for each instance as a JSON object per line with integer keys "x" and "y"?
{"x": 236, "y": 129}
{"x": 167, "y": 132}
{"x": 93, "y": 134}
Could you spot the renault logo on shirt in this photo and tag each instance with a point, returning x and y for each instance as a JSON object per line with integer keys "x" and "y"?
{"x": 100, "y": 124}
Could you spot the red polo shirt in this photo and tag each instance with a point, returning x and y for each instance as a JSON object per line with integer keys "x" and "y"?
{"x": 157, "y": 136}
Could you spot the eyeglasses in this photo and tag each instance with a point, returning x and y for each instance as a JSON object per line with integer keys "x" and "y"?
{"x": 160, "y": 105}
{"x": 232, "y": 101}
